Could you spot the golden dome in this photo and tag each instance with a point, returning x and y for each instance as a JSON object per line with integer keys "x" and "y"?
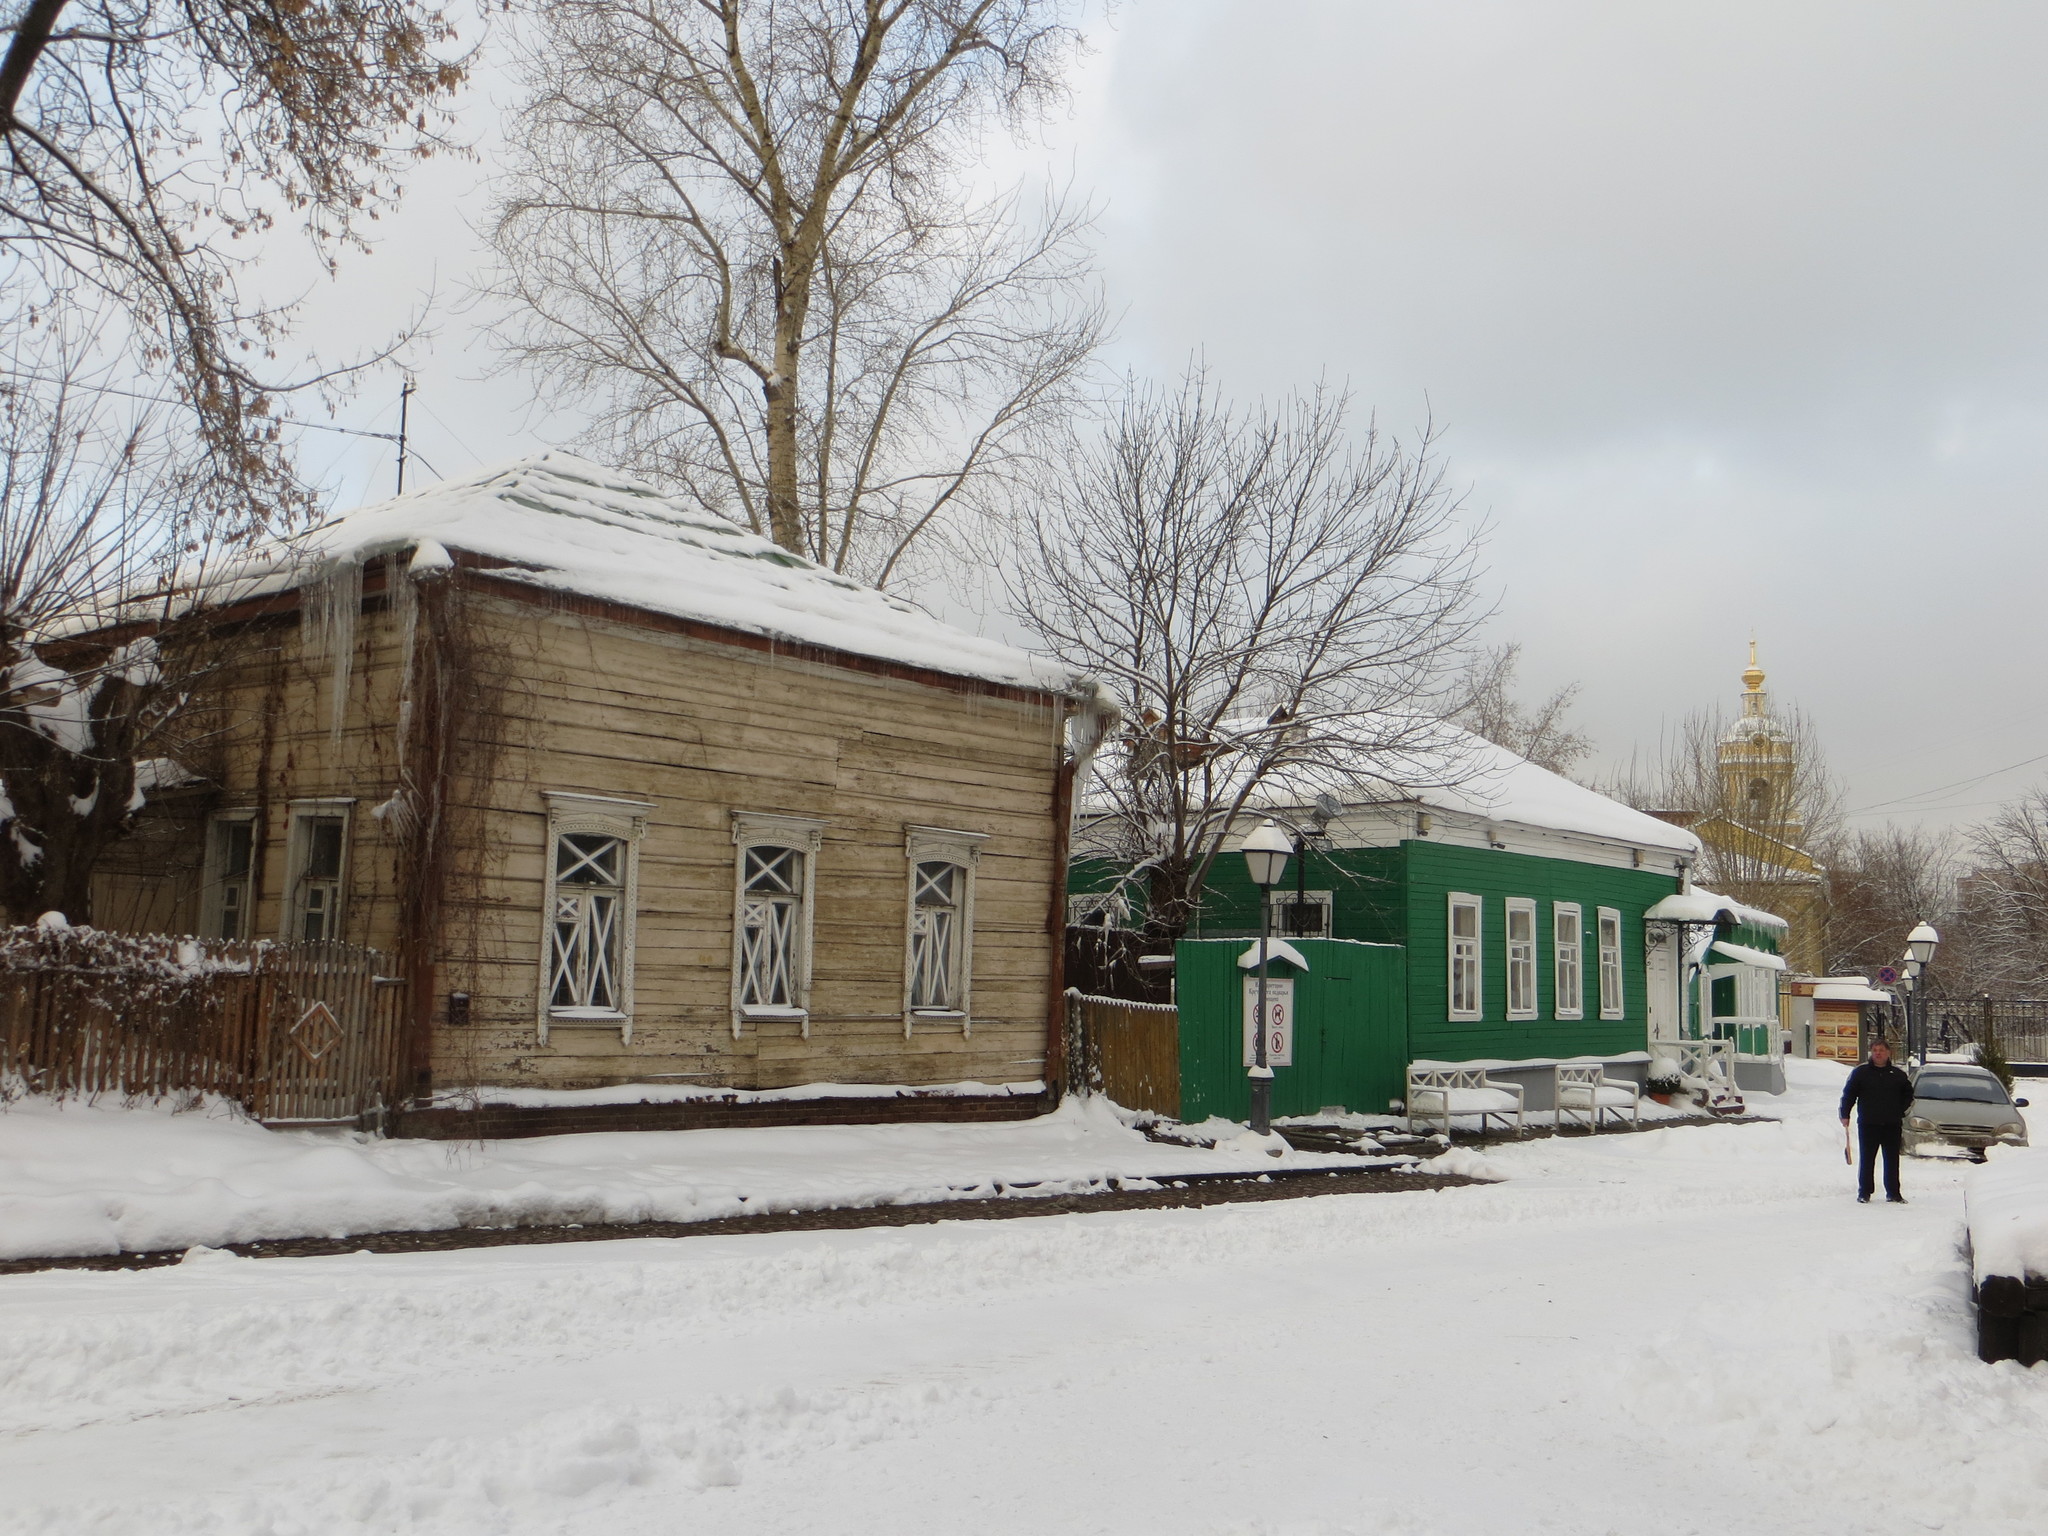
{"x": 1753, "y": 675}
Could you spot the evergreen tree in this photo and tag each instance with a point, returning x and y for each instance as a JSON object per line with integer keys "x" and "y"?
{"x": 1991, "y": 1055}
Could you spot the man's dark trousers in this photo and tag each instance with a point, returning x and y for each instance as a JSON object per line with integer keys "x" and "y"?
{"x": 1871, "y": 1140}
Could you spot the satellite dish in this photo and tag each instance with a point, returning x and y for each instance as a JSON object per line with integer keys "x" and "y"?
{"x": 1328, "y": 806}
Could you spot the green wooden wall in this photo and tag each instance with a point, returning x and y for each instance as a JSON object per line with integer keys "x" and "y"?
{"x": 1434, "y": 870}
{"x": 1350, "y": 1029}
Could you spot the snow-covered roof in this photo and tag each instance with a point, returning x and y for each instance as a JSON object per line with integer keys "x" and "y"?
{"x": 1848, "y": 989}
{"x": 1702, "y": 906}
{"x": 1742, "y": 954}
{"x": 567, "y": 524}
{"x": 1463, "y": 774}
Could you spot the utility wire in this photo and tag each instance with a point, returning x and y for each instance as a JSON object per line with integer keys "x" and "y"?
{"x": 291, "y": 421}
{"x": 1944, "y": 788}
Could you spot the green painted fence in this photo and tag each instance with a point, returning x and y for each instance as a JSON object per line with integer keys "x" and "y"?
{"x": 1350, "y": 1028}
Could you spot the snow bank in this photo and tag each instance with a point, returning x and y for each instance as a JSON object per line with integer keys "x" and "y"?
{"x": 78, "y": 1178}
{"x": 2007, "y": 1205}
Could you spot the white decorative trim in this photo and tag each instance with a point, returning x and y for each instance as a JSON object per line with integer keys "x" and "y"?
{"x": 1526, "y": 906}
{"x": 1456, "y": 900}
{"x": 935, "y": 845}
{"x": 571, "y": 802}
{"x": 626, "y": 820}
{"x": 1576, "y": 1009}
{"x": 1618, "y": 1009}
{"x": 757, "y": 829}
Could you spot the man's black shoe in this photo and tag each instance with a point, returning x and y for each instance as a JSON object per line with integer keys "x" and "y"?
{"x": 1863, "y": 1199}
{"x": 1894, "y": 1199}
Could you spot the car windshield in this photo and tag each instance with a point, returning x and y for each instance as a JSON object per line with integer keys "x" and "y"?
{"x": 1970, "y": 1090}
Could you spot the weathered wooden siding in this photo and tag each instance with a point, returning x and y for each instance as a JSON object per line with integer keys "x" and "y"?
{"x": 595, "y": 706}
{"x": 259, "y": 741}
{"x": 542, "y": 696}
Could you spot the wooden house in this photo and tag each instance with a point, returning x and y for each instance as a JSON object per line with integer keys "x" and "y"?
{"x": 1529, "y": 915}
{"x": 629, "y": 794}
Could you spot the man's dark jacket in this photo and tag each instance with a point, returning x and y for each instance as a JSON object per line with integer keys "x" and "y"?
{"x": 1884, "y": 1092}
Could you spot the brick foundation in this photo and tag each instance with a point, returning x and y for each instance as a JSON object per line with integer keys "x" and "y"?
{"x": 501, "y": 1122}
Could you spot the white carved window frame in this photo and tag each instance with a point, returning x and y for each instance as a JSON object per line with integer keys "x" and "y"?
{"x": 1613, "y": 979}
{"x": 603, "y": 816}
{"x": 1465, "y": 957}
{"x": 1519, "y": 956}
{"x": 941, "y": 845}
{"x": 301, "y": 815}
{"x": 762, "y": 829}
{"x": 1568, "y": 963}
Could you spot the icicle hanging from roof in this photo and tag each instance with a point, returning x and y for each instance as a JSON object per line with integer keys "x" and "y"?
{"x": 329, "y": 604}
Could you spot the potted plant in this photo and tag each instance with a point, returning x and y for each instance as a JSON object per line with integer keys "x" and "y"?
{"x": 1664, "y": 1088}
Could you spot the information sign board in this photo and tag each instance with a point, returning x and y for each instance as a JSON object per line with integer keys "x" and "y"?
{"x": 1279, "y": 1020}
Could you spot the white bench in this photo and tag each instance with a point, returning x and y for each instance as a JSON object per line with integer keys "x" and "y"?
{"x": 1438, "y": 1093}
{"x": 1585, "y": 1094}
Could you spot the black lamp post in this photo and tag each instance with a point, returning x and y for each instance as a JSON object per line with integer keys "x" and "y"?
{"x": 1266, "y": 852}
{"x": 1920, "y": 946}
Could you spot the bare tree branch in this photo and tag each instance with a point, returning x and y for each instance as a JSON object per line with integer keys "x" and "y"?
{"x": 1276, "y": 602}
{"x": 743, "y": 229}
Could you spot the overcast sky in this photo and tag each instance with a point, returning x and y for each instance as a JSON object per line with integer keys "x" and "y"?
{"x": 1734, "y": 315}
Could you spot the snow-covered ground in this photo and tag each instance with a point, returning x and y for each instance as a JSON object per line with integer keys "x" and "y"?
{"x": 76, "y": 1178}
{"x": 1691, "y": 1330}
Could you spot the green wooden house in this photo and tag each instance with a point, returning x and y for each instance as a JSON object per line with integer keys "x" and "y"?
{"x": 1520, "y": 907}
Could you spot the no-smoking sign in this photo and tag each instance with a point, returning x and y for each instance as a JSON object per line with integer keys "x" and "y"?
{"x": 1279, "y": 1021}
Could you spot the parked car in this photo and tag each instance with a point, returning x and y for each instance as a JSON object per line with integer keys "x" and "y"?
{"x": 1962, "y": 1106}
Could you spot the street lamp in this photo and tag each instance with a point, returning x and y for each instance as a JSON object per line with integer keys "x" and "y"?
{"x": 1920, "y": 946}
{"x": 1266, "y": 852}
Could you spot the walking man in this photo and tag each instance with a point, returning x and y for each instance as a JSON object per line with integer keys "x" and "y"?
{"x": 1880, "y": 1093}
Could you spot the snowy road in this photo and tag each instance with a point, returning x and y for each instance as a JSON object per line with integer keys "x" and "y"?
{"x": 1689, "y": 1330}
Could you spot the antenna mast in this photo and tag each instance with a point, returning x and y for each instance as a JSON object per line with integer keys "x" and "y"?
{"x": 404, "y": 401}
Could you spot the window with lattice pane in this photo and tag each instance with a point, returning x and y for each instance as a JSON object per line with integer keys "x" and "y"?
{"x": 935, "y": 933}
{"x": 585, "y": 967}
{"x": 938, "y": 939}
{"x": 771, "y": 933}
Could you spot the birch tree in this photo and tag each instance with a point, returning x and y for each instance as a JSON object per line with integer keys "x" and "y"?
{"x": 144, "y": 144}
{"x": 743, "y": 231}
{"x": 1279, "y": 603}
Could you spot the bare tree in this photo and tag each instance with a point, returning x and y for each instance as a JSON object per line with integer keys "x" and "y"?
{"x": 2003, "y": 902}
{"x": 140, "y": 139}
{"x": 96, "y": 507}
{"x": 1880, "y": 883}
{"x": 1491, "y": 710}
{"x": 1276, "y": 603}
{"x": 743, "y": 228}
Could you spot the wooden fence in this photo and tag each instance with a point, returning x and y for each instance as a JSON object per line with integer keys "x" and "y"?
{"x": 297, "y": 1033}
{"x": 1129, "y": 1052}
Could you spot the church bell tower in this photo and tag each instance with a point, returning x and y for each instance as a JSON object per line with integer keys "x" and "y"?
{"x": 1759, "y": 765}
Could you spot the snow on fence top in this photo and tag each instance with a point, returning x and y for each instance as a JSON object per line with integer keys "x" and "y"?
{"x": 2006, "y": 1203}
{"x": 565, "y": 523}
